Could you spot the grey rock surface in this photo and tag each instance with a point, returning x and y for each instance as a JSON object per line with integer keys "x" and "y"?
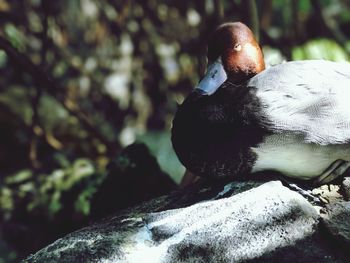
{"x": 346, "y": 188}
{"x": 337, "y": 222}
{"x": 239, "y": 222}
{"x": 243, "y": 227}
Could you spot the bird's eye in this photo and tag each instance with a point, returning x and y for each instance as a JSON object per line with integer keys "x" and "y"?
{"x": 237, "y": 47}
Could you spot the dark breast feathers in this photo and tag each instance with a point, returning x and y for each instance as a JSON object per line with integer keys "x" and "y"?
{"x": 212, "y": 135}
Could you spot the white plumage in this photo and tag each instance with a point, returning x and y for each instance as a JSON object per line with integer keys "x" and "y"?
{"x": 311, "y": 98}
{"x": 306, "y": 104}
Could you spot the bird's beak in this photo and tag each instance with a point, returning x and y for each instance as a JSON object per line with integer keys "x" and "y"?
{"x": 213, "y": 79}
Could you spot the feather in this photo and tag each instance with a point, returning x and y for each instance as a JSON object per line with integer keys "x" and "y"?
{"x": 309, "y": 98}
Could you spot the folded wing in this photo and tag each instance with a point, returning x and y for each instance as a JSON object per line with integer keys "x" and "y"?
{"x": 310, "y": 98}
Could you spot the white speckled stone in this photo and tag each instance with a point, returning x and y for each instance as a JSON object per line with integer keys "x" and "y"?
{"x": 242, "y": 227}
{"x": 268, "y": 223}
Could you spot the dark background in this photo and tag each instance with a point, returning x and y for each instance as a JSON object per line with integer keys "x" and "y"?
{"x": 83, "y": 79}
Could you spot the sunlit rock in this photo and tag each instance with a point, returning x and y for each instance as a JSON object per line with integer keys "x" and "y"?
{"x": 268, "y": 223}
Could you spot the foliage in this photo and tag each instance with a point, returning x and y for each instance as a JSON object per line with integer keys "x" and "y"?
{"x": 42, "y": 193}
{"x": 320, "y": 49}
{"x": 32, "y": 202}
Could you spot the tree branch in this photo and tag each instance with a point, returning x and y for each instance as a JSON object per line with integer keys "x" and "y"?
{"x": 251, "y": 16}
{"x": 36, "y": 129}
{"x": 328, "y": 25}
{"x": 266, "y": 15}
{"x": 219, "y": 11}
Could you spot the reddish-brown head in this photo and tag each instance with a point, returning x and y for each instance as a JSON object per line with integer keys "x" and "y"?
{"x": 240, "y": 53}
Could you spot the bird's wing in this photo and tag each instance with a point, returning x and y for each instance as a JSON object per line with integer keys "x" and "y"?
{"x": 311, "y": 98}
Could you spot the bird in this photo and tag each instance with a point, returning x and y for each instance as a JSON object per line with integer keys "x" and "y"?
{"x": 292, "y": 118}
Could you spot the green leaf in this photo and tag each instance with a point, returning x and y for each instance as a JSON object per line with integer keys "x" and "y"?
{"x": 15, "y": 36}
{"x": 320, "y": 49}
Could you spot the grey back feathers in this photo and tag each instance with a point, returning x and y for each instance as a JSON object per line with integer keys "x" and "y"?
{"x": 310, "y": 98}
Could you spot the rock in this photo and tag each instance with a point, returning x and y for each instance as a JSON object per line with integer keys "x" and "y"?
{"x": 134, "y": 176}
{"x": 337, "y": 221}
{"x": 266, "y": 223}
{"x": 346, "y": 188}
{"x": 328, "y": 193}
{"x": 245, "y": 226}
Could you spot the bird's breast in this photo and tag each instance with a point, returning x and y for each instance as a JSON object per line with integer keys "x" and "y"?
{"x": 290, "y": 155}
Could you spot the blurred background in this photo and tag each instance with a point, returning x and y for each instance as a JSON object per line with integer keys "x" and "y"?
{"x": 88, "y": 90}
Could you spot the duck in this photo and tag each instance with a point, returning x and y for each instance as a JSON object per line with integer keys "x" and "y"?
{"x": 243, "y": 118}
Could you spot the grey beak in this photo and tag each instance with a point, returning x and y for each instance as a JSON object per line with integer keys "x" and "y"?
{"x": 213, "y": 79}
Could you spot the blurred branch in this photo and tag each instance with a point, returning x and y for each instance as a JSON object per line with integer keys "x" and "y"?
{"x": 43, "y": 34}
{"x": 219, "y": 10}
{"x": 151, "y": 14}
{"x": 43, "y": 79}
{"x": 266, "y": 15}
{"x": 329, "y": 26}
{"x": 118, "y": 25}
{"x": 252, "y": 18}
{"x": 298, "y": 34}
{"x": 9, "y": 113}
{"x": 36, "y": 129}
{"x": 10, "y": 17}
{"x": 123, "y": 12}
